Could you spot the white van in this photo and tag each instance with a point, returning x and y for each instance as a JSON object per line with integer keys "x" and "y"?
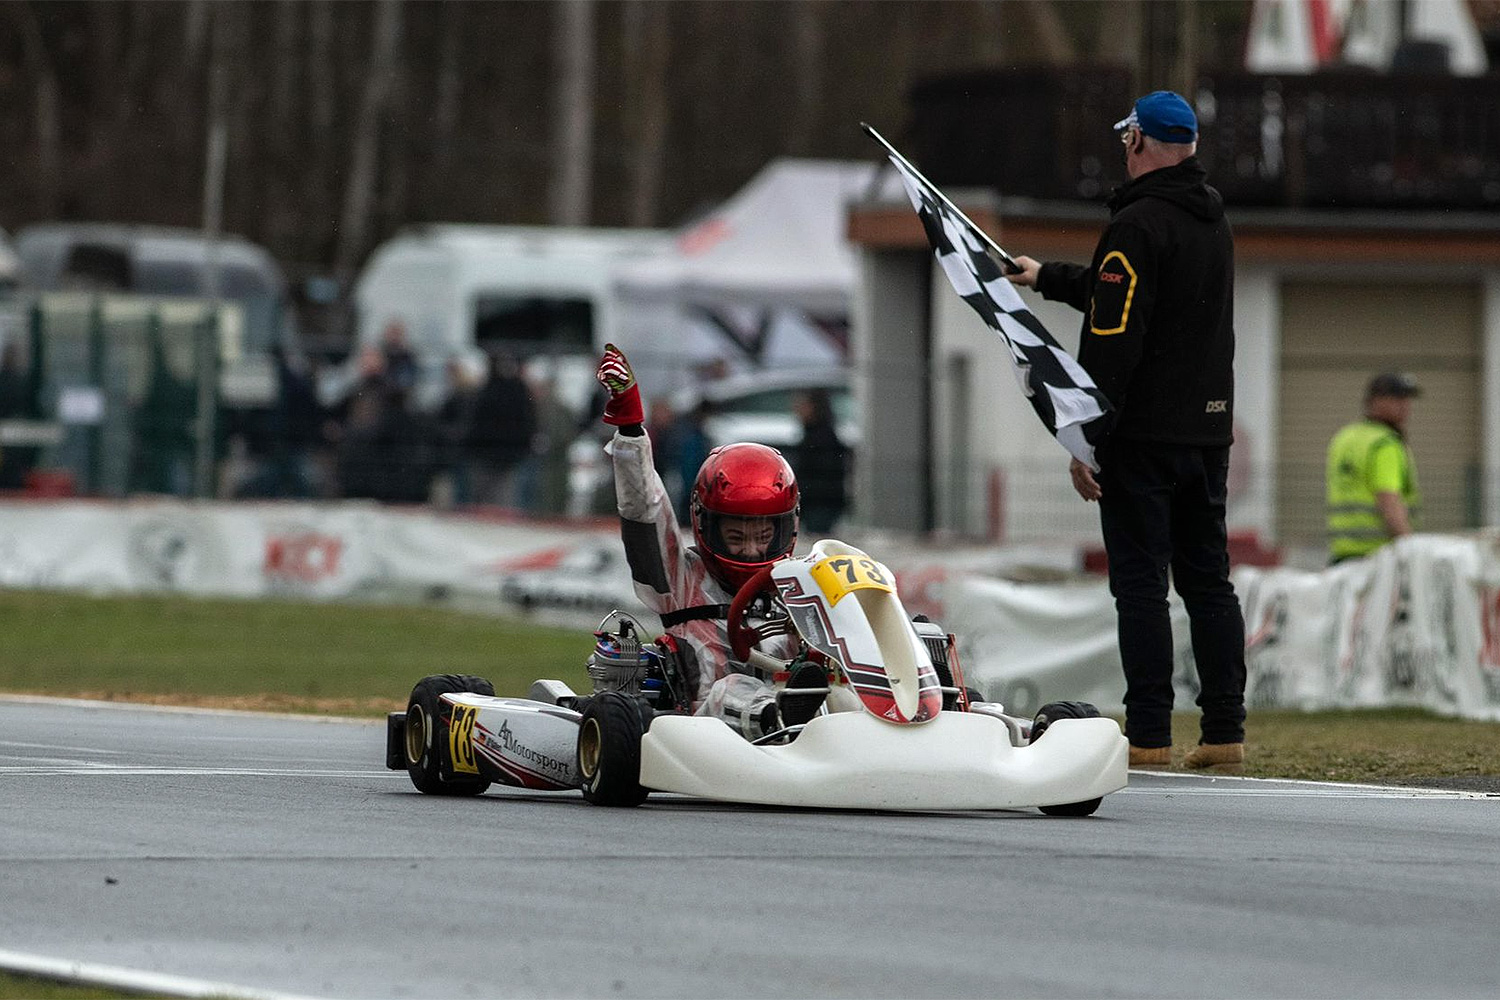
{"x": 543, "y": 294}
{"x": 173, "y": 262}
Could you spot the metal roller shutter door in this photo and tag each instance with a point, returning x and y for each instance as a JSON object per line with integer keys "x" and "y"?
{"x": 1334, "y": 336}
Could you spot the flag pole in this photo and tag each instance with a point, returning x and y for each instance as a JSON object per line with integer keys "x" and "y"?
{"x": 1005, "y": 258}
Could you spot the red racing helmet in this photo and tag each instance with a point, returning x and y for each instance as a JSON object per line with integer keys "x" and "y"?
{"x": 744, "y": 511}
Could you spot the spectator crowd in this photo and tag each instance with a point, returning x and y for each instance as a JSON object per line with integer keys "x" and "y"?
{"x": 501, "y": 437}
{"x": 498, "y": 438}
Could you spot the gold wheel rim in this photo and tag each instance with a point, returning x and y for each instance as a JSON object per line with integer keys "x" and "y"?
{"x": 416, "y": 734}
{"x": 589, "y": 739}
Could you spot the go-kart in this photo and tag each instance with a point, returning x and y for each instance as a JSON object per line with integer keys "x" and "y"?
{"x": 894, "y": 725}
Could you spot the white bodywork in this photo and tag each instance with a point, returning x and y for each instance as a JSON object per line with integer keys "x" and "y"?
{"x": 852, "y": 760}
{"x": 531, "y": 744}
{"x": 865, "y": 628}
{"x": 896, "y": 749}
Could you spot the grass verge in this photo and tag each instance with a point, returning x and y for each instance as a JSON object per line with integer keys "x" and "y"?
{"x": 13, "y": 987}
{"x": 276, "y": 655}
{"x": 363, "y": 659}
{"x": 1371, "y": 745}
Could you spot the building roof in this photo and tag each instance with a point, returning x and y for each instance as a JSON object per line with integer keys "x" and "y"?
{"x": 1295, "y": 235}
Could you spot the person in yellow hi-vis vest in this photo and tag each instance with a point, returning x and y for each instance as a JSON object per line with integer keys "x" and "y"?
{"x": 1372, "y": 479}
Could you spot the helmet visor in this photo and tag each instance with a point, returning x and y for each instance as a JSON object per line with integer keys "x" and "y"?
{"x": 750, "y": 541}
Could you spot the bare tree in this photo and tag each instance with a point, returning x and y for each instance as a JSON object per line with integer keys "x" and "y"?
{"x": 808, "y": 58}
{"x": 243, "y": 86}
{"x": 195, "y": 32}
{"x": 1159, "y": 56}
{"x": 323, "y": 97}
{"x": 1054, "y": 44}
{"x": 1185, "y": 71}
{"x": 991, "y": 22}
{"x": 647, "y": 39}
{"x": 281, "y": 216}
{"x": 46, "y": 111}
{"x": 222, "y": 49}
{"x": 397, "y": 165}
{"x": 284, "y": 64}
{"x": 359, "y": 192}
{"x": 573, "y": 113}
{"x": 445, "y": 111}
{"x": 1119, "y": 38}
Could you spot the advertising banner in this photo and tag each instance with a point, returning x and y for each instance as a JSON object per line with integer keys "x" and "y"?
{"x": 1415, "y": 624}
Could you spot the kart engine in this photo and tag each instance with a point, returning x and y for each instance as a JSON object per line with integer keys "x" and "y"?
{"x": 619, "y": 662}
{"x": 622, "y": 661}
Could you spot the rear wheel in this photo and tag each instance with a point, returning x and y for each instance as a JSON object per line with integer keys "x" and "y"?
{"x": 1045, "y": 716}
{"x": 609, "y": 749}
{"x": 428, "y": 757}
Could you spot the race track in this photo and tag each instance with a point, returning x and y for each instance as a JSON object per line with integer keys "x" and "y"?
{"x": 279, "y": 854}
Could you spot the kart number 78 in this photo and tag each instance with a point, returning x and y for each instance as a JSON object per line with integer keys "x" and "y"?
{"x": 460, "y": 734}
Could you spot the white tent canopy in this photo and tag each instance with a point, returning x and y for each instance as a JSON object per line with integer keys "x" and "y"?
{"x": 780, "y": 239}
{"x": 759, "y": 283}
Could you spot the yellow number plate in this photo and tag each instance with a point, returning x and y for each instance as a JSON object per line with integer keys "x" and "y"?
{"x": 841, "y": 575}
{"x": 461, "y": 739}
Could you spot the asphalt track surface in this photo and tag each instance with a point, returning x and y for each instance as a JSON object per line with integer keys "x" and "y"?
{"x": 278, "y": 853}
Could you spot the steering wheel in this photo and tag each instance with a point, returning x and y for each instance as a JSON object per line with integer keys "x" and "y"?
{"x": 741, "y": 635}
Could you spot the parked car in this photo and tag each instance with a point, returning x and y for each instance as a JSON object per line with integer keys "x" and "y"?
{"x": 760, "y": 406}
{"x": 752, "y": 406}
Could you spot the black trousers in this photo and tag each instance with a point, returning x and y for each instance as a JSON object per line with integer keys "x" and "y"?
{"x": 1163, "y": 507}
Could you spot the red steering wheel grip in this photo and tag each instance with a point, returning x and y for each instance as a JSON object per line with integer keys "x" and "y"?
{"x": 740, "y": 637}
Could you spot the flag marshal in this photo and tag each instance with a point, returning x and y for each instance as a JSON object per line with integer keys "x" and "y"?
{"x": 1063, "y": 395}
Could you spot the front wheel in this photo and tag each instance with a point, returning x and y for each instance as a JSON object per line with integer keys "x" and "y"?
{"x": 428, "y": 724}
{"x": 1045, "y": 716}
{"x": 609, "y": 750}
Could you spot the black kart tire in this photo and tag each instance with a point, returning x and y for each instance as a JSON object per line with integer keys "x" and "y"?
{"x": 1045, "y": 716}
{"x": 609, "y": 749}
{"x": 1054, "y": 710}
{"x": 426, "y": 744}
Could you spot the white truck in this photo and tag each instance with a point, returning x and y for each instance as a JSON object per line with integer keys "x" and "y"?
{"x": 543, "y": 294}
{"x": 762, "y": 284}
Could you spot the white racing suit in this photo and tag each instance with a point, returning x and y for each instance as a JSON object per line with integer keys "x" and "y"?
{"x": 669, "y": 576}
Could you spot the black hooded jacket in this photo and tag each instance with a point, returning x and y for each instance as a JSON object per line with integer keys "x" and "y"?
{"x": 1158, "y": 303}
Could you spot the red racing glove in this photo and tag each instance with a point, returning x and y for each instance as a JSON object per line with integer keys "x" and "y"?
{"x": 624, "y": 406}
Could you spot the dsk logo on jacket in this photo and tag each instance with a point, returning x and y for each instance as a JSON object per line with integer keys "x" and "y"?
{"x": 1114, "y": 287}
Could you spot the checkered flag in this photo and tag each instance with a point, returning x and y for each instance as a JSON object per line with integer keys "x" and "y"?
{"x": 1061, "y": 392}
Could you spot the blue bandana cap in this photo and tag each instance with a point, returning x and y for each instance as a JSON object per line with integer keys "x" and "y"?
{"x": 1162, "y": 115}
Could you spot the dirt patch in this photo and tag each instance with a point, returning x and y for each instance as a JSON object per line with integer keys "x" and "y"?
{"x": 1488, "y": 784}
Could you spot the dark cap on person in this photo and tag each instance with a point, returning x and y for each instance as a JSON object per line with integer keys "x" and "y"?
{"x": 1395, "y": 384}
{"x": 1162, "y": 115}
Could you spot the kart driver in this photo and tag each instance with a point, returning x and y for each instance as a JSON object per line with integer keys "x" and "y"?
{"x": 744, "y": 517}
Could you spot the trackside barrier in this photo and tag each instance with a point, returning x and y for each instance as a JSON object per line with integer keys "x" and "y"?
{"x": 1415, "y": 624}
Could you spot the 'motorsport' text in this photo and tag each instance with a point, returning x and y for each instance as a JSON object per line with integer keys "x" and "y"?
{"x": 516, "y": 748}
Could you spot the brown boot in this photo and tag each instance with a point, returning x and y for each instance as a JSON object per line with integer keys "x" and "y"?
{"x": 1150, "y": 756}
{"x": 1215, "y": 755}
